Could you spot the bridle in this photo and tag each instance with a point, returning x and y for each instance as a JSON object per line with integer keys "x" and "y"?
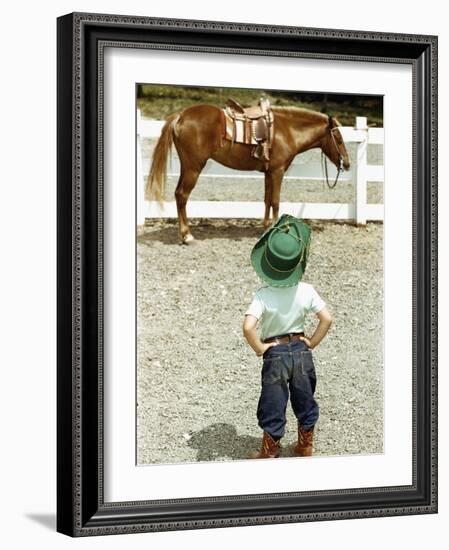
{"x": 340, "y": 156}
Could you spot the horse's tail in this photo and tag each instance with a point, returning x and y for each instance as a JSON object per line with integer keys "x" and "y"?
{"x": 157, "y": 178}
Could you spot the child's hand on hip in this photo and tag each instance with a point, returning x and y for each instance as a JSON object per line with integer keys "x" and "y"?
{"x": 306, "y": 341}
{"x": 264, "y": 347}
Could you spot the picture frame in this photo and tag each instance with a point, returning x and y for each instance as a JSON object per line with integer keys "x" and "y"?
{"x": 81, "y": 506}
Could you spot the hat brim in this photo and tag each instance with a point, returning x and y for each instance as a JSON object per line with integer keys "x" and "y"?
{"x": 270, "y": 275}
{"x": 265, "y": 271}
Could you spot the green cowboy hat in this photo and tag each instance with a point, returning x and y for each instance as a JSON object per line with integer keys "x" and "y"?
{"x": 280, "y": 255}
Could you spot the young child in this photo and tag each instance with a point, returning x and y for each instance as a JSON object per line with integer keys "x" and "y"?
{"x": 279, "y": 258}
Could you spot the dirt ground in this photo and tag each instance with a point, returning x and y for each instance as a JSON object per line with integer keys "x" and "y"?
{"x": 198, "y": 380}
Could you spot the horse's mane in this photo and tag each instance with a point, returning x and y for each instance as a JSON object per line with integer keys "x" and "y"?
{"x": 306, "y": 114}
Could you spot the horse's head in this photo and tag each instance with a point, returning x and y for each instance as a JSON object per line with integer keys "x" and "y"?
{"x": 333, "y": 146}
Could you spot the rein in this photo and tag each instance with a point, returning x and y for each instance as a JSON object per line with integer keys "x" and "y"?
{"x": 324, "y": 157}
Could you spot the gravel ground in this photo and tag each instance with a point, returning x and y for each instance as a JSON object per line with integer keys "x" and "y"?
{"x": 199, "y": 382}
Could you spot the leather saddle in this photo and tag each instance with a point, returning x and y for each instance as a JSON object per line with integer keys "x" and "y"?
{"x": 260, "y": 118}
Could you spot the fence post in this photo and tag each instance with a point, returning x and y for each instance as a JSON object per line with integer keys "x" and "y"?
{"x": 361, "y": 172}
{"x": 140, "y": 183}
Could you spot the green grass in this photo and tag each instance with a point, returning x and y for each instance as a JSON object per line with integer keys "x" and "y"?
{"x": 157, "y": 102}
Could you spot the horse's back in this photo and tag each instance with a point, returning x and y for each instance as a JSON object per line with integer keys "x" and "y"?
{"x": 201, "y": 115}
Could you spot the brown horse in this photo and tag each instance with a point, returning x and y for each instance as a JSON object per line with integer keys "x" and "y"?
{"x": 197, "y": 133}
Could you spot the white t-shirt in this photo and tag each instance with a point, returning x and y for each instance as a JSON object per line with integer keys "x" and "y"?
{"x": 282, "y": 310}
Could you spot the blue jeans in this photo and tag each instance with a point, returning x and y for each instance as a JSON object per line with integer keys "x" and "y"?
{"x": 287, "y": 368}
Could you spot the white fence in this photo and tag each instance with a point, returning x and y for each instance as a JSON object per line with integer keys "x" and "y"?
{"x": 358, "y": 210}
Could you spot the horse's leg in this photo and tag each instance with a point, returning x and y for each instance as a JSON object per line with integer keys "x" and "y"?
{"x": 186, "y": 183}
{"x": 196, "y": 136}
{"x": 267, "y": 200}
{"x": 276, "y": 181}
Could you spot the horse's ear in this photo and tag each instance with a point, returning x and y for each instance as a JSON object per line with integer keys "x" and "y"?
{"x": 331, "y": 121}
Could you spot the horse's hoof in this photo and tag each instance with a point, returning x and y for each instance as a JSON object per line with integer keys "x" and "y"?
{"x": 188, "y": 239}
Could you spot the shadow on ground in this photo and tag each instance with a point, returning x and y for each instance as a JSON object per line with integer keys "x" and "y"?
{"x": 221, "y": 441}
{"x": 167, "y": 231}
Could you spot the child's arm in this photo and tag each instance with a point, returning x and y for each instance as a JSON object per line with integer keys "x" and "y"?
{"x": 250, "y": 333}
{"x": 321, "y": 330}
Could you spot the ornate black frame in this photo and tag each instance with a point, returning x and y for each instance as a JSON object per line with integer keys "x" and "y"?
{"x": 81, "y": 510}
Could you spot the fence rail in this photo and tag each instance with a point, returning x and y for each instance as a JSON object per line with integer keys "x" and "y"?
{"x": 358, "y": 210}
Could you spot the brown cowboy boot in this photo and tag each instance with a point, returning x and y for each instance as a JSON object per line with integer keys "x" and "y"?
{"x": 269, "y": 449}
{"x": 304, "y": 446}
